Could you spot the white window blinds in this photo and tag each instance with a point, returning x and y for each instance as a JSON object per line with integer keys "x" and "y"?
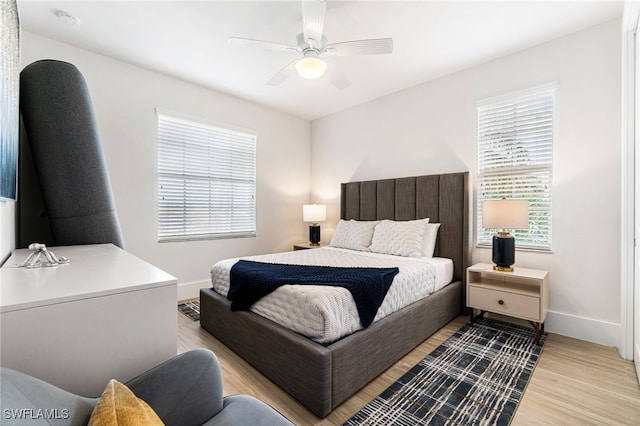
{"x": 515, "y": 160}
{"x": 206, "y": 181}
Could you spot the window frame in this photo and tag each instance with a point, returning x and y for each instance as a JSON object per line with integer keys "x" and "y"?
{"x": 221, "y": 163}
{"x": 517, "y": 176}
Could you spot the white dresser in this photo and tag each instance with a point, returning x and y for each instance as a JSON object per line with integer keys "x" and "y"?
{"x": 106, "y": 314}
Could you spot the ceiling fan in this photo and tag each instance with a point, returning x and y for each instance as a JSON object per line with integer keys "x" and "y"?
{"x": 311, "y": 46}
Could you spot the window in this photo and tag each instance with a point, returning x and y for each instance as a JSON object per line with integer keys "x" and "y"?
{"x": 206, "y": 180}
{"x": 515, "y": 150}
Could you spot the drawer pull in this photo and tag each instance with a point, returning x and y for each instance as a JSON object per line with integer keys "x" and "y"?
{"x": 500, "y": 302}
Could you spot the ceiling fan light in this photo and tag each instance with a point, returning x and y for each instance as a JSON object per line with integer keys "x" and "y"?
{"x": 311, "y": 67}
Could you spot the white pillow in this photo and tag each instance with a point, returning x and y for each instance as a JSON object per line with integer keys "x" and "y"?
{"x": 353, "y": 234}
{"x": 401, "y": 238}
{"x": 429, "y": 241}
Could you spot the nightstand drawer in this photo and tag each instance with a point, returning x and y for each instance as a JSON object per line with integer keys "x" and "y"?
{"x": 501, "y": 302}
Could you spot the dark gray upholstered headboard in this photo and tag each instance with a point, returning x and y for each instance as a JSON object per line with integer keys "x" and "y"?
{"x": 442, "y": 198}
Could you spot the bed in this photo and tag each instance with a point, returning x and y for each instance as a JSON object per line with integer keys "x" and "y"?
{"x": 322, "y": 375}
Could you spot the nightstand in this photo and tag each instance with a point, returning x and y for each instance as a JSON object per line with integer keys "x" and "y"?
{"x": 305, "y": 246}
{"x": 523, "y": 293}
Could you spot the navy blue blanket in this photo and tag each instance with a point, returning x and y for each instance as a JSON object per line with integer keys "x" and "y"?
{"x": 249, "y": 281}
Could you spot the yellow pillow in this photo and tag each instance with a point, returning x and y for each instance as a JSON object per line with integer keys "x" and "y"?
{"x": 118, "y": 406}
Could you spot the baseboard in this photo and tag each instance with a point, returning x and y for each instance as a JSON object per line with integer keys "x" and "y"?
{"x": 191, "y": 290}
{"x": 588, "y": 329}
{"x": 636, "y": 359}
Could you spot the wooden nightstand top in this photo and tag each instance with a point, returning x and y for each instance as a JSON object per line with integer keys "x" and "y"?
{"x": 517, "y": 271}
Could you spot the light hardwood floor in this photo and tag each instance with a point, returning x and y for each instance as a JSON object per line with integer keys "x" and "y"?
{"x": 574, "y": 383}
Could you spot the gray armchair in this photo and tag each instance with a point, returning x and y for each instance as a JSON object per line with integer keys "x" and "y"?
{"x": 185, "y": 390}
{"x": 64, "y": 188}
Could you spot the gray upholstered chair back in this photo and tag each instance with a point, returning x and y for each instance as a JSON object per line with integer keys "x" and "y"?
{"x": 186, "y": 390}
{"x": 67, "y": 155}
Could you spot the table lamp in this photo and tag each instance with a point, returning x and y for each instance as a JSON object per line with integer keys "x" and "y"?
{"x": 314, "y": 213}
{"x": 504, "y": 214}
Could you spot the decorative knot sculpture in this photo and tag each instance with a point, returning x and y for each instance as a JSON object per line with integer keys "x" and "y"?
{"x": 50, "y": 259}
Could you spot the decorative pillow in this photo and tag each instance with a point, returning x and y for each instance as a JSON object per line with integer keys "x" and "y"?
{"x": 118, "y": 406}
{"x": 353, "y": 234}
{"x": 401, "y": 238}
{"x": 429, "y": 241}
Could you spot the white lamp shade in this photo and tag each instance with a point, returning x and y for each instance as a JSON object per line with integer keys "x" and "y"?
{"x": 314, "y": 213}
{"x": 505, "y": 214}
{"x": 311, "y": 67}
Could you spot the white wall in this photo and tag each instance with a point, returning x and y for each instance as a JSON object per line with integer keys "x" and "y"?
{"x": 125, "y": 98}
{"x": 431, "y": 128}
{"x": 7, "y": 229}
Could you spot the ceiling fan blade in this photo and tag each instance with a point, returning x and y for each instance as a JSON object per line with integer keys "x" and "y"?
{"x": 247, "y": 42}
{"x": 338, "y": 78}
{"x": 313, "y": 21}
{"x": 372, "y": 46}
{"x": 283, "y": 74}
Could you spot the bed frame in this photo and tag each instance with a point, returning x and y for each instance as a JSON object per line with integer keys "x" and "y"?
{"x": 322, "y": 377}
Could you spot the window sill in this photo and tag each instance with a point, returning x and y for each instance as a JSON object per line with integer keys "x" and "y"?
{"x": 205, "y": 237}
{"x": 522, "y": 249}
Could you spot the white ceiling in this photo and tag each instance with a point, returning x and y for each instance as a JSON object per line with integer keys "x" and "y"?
{"x": 188, "y": 40}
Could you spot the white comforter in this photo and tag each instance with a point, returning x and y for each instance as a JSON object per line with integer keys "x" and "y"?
{"x": 325, "y": 313}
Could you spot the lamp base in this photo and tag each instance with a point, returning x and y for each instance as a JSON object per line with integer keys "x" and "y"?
{"x": 314, "y": 235}
{"x": 503, "y": 268}
{"x": 504, "y": 252}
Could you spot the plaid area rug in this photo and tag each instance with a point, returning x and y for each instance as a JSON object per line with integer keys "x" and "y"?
{"x": 190, "y": 309}
{"x": 476, "y": 377}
